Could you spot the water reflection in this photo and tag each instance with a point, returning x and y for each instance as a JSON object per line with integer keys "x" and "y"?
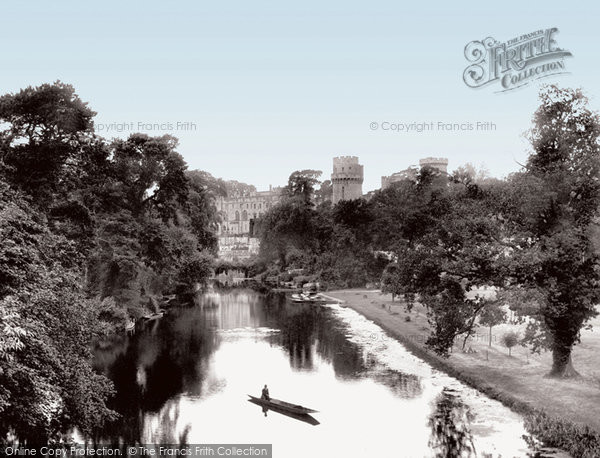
{"x": 166, "y": 358}
{"x": 450, "y": 425}
{"x": 171, "y": 356}
{"x": 185, "y": 379}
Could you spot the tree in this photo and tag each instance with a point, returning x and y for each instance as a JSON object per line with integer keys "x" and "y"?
{"x": 47, "y": 384}
{"x": 301, "y": 184}
{"x": 532, "y": 233}
{"x": 445, "y": 243}
{"x": 509, "y": 340}
{"x": 287, "y": 225}
{"x": 233, "y": 188}
{"x": 555, "y": 256}
{"x": 201, "y": 208}
{"x": 48, "y": 127}
{"x": 324, "y": 193}
{"x": 491, "y": 315}
{"x": 291, "y": 223}
{"x": 390, "y": 280}
{"x": 150, "y": 174}
{"x": 81, "y": 219}
{"x": 469, "y": 173}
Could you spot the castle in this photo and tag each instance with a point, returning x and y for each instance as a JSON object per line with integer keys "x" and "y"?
{"x": 346, "y": 179}
{"x": 238, "y": 239}
{"x": 237, "y": 235}
{"x": 239, "y": 212}
{"x": 438, "y": 163}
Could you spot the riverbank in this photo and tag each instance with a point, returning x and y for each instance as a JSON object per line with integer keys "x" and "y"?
{"x": 566, "y": 411}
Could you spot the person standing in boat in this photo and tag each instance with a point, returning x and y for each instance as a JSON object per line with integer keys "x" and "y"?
{"x": 265, "y": 394}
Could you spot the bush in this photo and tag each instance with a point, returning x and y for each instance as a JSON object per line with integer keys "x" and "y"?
{"x": 579, "y": 441}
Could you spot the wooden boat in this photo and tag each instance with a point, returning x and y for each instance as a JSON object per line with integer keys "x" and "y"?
{"x": 308, "y": 298}
{"x": 154, "y": 316}
{"x": 304, "y": 417}
{"x": 276, "y": 404}
{"x": 316, "y": 297}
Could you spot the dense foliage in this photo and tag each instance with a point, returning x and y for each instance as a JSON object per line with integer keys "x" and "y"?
{"x": 90, "y": 230}
{"x": 333, "y": 243}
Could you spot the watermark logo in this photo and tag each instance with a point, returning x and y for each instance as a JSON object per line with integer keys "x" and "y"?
{"x": 516, "y": 62}
{"x": 145, "y": 126}
{"x": 430, "y": 126}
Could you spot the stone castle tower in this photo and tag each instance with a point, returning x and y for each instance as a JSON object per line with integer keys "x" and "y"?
{"x": 347, "y": 178}
{"x": 438, "y": 163}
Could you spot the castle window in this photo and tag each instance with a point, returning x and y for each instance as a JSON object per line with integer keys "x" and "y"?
{"x": 343, "y": 192}
{"x": 244, "y": 215}
{"x": 237, "y": 215}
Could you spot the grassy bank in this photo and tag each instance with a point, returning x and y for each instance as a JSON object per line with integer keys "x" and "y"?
{"x": 562, "y": 413}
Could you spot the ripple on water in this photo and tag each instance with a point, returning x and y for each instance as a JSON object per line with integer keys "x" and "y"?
{"x": 247, "y": 332}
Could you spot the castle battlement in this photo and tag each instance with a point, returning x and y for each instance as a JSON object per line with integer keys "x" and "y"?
{"x": 347, "y": 165}
{"x": 346, "y": 158}
{"x": 434, "y": 159}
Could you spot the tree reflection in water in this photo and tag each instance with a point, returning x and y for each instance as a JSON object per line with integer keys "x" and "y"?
{"x": 148, "y": 370}
{"x": 450, "y": 427}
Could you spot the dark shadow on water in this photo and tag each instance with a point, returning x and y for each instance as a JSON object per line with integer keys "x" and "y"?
{"x": 152, "y": 367}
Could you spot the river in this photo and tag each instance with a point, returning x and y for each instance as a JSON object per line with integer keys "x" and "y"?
{"x": 185, "y": 379}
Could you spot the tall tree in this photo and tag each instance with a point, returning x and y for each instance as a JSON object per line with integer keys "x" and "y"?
{"x": 554, "y": 225}
{"x": 445, "y": 246}
{"x": 48, "y": 127}
{"x": 492, "y": 315}
{"x": 150, "y": 174}
{"x": 301, "y": 184}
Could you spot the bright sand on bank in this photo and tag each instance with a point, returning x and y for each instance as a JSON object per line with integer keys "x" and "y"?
{"x": 520, "y": 376}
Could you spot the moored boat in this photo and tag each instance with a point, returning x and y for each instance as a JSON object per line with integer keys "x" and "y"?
{"x": 308, "y": 298}
{"x": 154, "y": 316}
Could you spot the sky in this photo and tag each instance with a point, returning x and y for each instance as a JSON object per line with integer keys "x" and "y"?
{"x": 256, "y": 90}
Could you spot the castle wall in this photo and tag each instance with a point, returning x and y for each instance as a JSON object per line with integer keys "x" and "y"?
{"x": 237, "y": 212}
{"x": 237, "y": 247}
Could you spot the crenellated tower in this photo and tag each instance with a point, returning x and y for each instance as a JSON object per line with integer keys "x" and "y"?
{"x": 438, "y": 163}
{"x": 347, "y": 178}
